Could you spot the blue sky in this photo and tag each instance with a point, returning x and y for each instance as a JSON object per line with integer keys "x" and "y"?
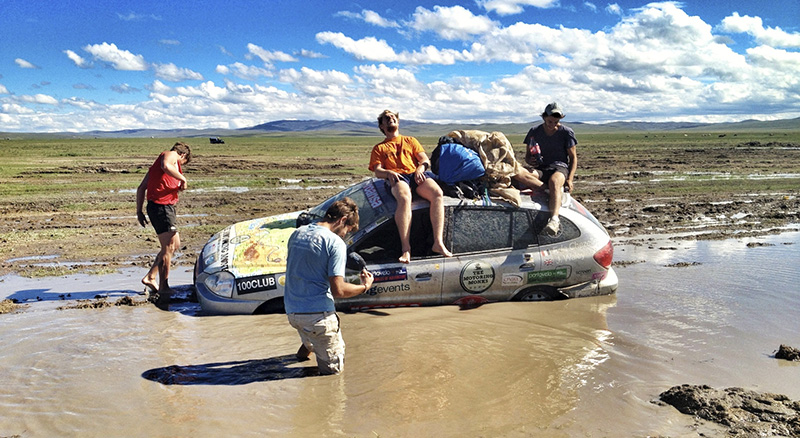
{"x": 81, "y": 65}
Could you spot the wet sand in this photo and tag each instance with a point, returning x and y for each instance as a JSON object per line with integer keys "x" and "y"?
{"x": 687, "y": 311}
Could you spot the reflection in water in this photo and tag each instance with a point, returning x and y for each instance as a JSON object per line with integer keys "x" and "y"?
{"x": 582, "y": 367}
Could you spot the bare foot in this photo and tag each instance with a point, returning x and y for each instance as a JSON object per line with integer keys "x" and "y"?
{"x": 150, "y": 284}
{"x": 440, "y": 249}
{"x": 303, "y": 353}
{"x": 405, "y": 258}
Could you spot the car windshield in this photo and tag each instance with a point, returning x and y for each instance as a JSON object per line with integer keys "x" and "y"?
{"x": 370, "y": 203}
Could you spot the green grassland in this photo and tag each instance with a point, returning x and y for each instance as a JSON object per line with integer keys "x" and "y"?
{"x": 74, "y": 198}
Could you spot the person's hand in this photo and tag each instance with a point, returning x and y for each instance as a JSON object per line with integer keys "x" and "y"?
{"x": 393, "y": 177}
{"x": 142, "y": 218}
{"x": 569, "y": 185}
{"x": 419, "y": 175}
{"x": 183, "y": 185}
{"x": 366, "y": 278}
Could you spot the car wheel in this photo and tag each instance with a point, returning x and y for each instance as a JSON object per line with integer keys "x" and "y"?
{"x": 539, "y": 293}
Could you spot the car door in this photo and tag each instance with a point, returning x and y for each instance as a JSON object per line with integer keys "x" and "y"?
{"x": 418, "y": 283}
{"x": 494, "y": 248}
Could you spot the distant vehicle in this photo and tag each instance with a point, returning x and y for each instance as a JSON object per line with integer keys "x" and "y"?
{"x": 216, "y": 140}
{"x": 501, "y": 253}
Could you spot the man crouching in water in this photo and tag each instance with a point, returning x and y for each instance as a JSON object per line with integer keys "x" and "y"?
{"x": 162, "y": 183}
{"x": 402, "y": 162}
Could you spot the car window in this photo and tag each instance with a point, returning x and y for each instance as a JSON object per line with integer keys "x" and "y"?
{"x": 523, "y": 231}
{"x": 567, "y": 230}
{"x": 382, "y": 244}
{"x": 480, "y": 229}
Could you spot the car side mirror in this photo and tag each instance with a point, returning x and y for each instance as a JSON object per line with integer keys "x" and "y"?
{"x": 355, "y": 262}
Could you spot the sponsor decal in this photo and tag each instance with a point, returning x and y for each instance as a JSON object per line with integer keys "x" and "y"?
{"x": 251, "y": 285}
{"x": 282, "y": 280}
{"x": 477, "y": 276}
{"x": 547, "y": 276}
{"x": 372, "y": 195}
{"x": 377, "y": 290}
{"x": 389, "y": 274}
{"x": 223, "y": 249}
{"x": 513, "y": 279}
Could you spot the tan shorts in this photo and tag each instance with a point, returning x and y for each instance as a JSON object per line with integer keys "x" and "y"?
{"x": 320, "y": 333}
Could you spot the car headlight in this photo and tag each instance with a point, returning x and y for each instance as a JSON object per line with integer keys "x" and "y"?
{"x": 220, "y": 283}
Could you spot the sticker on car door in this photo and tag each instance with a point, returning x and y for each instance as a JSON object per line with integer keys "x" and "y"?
{"x": 477, "y": 276}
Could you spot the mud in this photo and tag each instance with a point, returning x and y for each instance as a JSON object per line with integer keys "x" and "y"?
{"x": 744, "y": 413}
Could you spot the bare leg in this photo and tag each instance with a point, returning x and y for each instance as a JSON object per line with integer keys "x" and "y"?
{"x": 170, "y": 242}
{"x": 150, "y": 280}
{"x": 433, "y": 193}
{"x": 556, "y": 185}
{"x": 402, "y": 216}
{"x": 528, "y": 179}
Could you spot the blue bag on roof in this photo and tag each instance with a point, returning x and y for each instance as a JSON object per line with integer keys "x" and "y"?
{"x": 457, "y": 163}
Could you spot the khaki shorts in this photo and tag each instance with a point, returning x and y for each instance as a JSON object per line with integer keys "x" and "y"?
{"x": 320, "y": 333}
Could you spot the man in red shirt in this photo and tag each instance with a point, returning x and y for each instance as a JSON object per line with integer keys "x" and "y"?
{"x": 402, "y": 162}
{"x": 161, "y": 184}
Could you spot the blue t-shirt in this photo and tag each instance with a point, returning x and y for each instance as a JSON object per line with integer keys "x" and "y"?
{"x": 315, "y": 253}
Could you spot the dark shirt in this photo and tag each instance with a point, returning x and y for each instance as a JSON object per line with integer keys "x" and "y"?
{"x": 554, "y": 147}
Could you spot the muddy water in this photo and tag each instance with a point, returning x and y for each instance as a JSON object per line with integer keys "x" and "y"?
{"x": 585, "y": 367}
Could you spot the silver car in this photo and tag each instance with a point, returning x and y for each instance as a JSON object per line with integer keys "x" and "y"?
{"x": 501, "y": 253}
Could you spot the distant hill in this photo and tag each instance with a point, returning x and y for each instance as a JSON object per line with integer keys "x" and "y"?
{"x": 411, "y": 127}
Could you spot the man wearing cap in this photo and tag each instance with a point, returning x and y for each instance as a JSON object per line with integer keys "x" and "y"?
{"x": 550, "y": 150}
{"x": 401, "y": 161}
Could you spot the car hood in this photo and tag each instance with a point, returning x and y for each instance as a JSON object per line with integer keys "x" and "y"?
{"x": 253, "y": 247}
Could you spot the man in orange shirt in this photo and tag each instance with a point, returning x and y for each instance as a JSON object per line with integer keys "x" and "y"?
{"x": 162, "y": 183}
{"x": 402, "y": 162}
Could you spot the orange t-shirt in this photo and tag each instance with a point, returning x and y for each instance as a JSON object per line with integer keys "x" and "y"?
{"x": 398, "y": 155}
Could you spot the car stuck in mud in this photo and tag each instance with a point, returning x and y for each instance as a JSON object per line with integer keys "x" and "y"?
{"x": 500, "y": 253}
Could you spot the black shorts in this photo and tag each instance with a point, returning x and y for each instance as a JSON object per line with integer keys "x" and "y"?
{"x": 548, "y": 171}
{"x": 162, "y": 217}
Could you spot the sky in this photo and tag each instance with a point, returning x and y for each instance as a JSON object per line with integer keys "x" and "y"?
{"x": 79, "y": 65}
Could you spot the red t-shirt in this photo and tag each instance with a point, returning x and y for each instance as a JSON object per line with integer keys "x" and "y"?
{"x": 162, "y": 188}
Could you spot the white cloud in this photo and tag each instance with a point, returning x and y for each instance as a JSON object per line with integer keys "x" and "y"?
{"x": 509, "y": 7}
{"x": 39, "y": 98}
{"x": 3, "y": 89}
{"x": 310, "y": 54}
{"x": 771, "y": 36}
{"x": 451, "y": 23}
{"x": 315, "y": 82}
{"x": 119, "y": 59}
{"x": 369, "y": 48}
{"x": 243, "y": 71}
{"x": 173, "y": 73}
{"x": 124, "y": 89}
{"x": 614, "y": 9}
{"x": 269, "y": 56}
{"x": 370, "y": 17}
{"x": 77, "y": 59}
{"x": 132, "y": 16}
{"x": 25, "y": 64}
